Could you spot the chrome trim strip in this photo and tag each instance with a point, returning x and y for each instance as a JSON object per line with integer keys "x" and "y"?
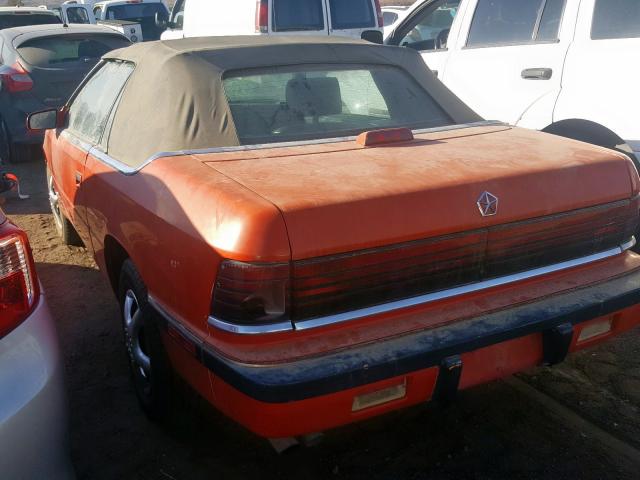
{"x": 463, "y": 290}
{"x": 422, "y": 299}
{"x": 128, "y": 170}
{"x": 251, "y": 329}
{"x": 482, "y": 123}
{"x": 175, "y": 323}
{"x": 112, "y": 162}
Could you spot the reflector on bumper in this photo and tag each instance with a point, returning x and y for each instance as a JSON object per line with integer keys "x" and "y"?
{"x": 379, "y": 397}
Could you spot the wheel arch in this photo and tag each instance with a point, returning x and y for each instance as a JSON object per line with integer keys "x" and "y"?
{"x": 114, "y": 257}
{"x": 591, "y": 132}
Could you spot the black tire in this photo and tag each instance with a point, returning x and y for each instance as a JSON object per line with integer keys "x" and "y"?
{"x": 64, "y": 227}
{"x": 594, "y": 133}
{"x": 22, "y": 153}
{"x": 153, "y": 382}
{"x": 5, "y": 144}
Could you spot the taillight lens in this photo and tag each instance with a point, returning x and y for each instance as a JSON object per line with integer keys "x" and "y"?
{"x": 251, "y": 293}
{"x": 262, "y": 16}
{"x": 18, "y": 284}
{"x": 15, "y": 78}
{"x": 379, "y": 13}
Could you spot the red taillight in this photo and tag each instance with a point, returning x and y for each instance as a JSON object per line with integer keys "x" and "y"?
{"x": 379, "y": 13}
{"x": 262, "y": 16}
{"x": 18, "y": 284}
{"x": 15, "y": 78}
{"x": 251, "y": 293}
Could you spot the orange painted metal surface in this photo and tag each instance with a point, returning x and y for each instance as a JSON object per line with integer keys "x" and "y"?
{"x": 180, "y": 216}
{"x": 338, "y": 201}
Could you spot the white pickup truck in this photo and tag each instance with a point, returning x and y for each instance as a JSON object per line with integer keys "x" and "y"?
{"x": 136, "y": 19}
{"x": 568, "y": 67}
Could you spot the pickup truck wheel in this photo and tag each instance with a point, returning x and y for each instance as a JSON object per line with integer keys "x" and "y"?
{"x": 64, "y": 227}
{"x": 594, "y": 133}
{"x": 150, "y": 369}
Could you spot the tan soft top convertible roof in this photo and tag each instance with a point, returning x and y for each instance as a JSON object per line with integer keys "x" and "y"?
{"x": 175, "y": 99}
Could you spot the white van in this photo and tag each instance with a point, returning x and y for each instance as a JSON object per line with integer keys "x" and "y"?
{"x": 199, "y": 18}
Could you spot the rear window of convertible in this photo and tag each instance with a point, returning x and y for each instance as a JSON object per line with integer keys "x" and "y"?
{"x": 305, "y": 103}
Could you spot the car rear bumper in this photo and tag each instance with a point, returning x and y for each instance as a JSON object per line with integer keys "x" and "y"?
{"x": 33, "y": 407}
{"x": 323, "y": 392}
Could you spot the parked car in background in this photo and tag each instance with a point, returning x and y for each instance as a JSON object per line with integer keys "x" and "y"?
{"x": 340, "y": 237}
{"x": 11, "y": 17}
{"x": 33, "y": 410}
{"x": 40, "y": 67}
{"x": 198, "y": 18}
{"x": 562, "y": 66}
{"x": 146, "y": 13}
{"x": 73, "y": 12}
{"x": 390, "y": 16}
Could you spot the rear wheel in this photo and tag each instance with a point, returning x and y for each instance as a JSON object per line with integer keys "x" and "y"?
{"x": 591, "y": 132}
{"x": 64, "y": 227}
{"x": 150, "y": 368}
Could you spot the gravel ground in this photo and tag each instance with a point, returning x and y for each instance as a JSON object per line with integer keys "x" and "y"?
{"x": 580, "y": 421}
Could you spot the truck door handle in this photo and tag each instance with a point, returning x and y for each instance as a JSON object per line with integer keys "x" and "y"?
{"x": 537, "y": 73}
{"x": 78, "y": 179}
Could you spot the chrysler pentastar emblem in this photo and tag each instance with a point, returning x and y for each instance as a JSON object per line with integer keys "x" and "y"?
{"x": 488, "y": 204}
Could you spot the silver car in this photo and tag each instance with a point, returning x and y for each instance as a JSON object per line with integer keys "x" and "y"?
{"x": 33, "y": 409}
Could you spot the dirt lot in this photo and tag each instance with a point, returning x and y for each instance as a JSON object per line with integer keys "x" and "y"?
{"x": 579, "y": 420}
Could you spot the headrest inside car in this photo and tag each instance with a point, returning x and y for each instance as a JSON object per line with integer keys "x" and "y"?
{"x": 313, "y": 97}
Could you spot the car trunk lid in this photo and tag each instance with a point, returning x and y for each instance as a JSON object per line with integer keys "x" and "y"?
{"x": 341, "y": 197}
{"x": 375, "y": 225}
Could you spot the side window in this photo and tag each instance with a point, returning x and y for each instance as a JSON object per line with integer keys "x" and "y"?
{"x": 297, "y": 15}
{"x": 352, "y": 14}
{"x": 77, "y": 15}
{"x": 430, "y": 30}
{"x": 389, "y": 18}
{"x": 616, "y": 19}
{"x": 90, "y": 109}
{"x": 513, "y": 22}
{"x": 177, "y": 15}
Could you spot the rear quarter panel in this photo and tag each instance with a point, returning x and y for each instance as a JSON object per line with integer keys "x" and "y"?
{"x": 177, "y": 219}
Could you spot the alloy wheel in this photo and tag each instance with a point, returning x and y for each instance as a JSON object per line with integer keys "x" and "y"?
{"x": 54, "y": 202}
{"x": 134, "y": 339}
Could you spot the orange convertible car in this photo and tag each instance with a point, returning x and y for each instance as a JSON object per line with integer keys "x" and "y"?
{"x": 313, "y": 232}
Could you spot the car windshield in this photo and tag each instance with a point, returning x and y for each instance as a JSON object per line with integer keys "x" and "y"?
{"x": 135, "y": 12}
{"x": 11, "y": 20}
{"x": 305, "y": 103}
{"x": 56, "y": 51}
